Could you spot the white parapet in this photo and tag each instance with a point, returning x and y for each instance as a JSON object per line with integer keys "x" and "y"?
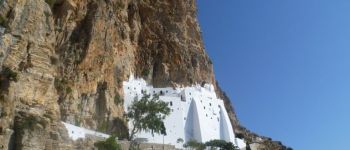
{"x": 75, "y": 132}
{"x": 196, "y": 113}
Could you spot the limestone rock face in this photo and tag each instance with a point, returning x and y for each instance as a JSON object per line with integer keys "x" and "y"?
{"x": 66, "y": 60}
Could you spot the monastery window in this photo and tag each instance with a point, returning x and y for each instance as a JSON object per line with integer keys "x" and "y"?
{"x": 134, "y": 88}
{"x": 184, "y": 118}
{"x": 72, "y": 132}
{"x": 154, "y": 92}
{"x": 204, "y": 107}
{"x": 182, "y": 98}
{"x": 128, "y": 88}
{"x": 190, "y": 93}
{"x": 171, "y": 103}
{"x": 166, "y": 91}
{"x": 209, "y": 104}
{"x": 161, "y": 93}
{"x": 206, "y": 115}
{"x": 218, "y": 119}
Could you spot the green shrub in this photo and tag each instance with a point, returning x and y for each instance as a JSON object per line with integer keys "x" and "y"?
{"x": 30, "y": 122}
{"x": 145, "y": 72}
{"x": 221, "y": 144}
{"x": 179, "y": 140}
{"x": 50, "y": 2}
{"x": 2, "y": 21}
{"x": 240, "y": 136}
{"x": 61, "y": 84}
{"x": 69, "y": 90}
{"x": 117, "y": 99}
{"x": 108, "y": 144}
{"x": 9, "y": 74}
{"x": 194, "y": 145}
{"x": 213, "y": 144}
{"x": 103, "y": 126}
{"x": 120, "y": 129}
{"x": 77, "y": 120}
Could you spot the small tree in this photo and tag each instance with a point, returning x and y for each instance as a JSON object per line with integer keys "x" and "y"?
{"x": 108, "y": 144}
{"x": 147, "y": 114}
{"x": 193, "y": 144}
{"x": 221, "y": 144}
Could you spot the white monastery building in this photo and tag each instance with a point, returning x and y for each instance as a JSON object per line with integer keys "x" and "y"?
{"x": 196, "y": 113}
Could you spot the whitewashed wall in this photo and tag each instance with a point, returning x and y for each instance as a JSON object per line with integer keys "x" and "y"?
{"x": 75, "y": 132}
{"x": 196, "y": 113}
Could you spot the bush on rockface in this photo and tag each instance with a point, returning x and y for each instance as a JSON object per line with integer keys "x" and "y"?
{"x": 51, "y": 2}
{"x": 69, "y": 90}
{"x": 31, "y": 121}
{"x": 239, "y": 135}
{"x": 2, "y": 21}
{"x": 117, "y": 99}
{"x": 62, "y": 86}
{"x": 146, "y": 72}
{"x": 108, "y": 144}
{"x": 102, "y": 126}
{"x": 120, "y": 129}
{"x": 7, "y": 73}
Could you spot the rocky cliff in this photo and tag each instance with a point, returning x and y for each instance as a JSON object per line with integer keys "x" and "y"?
{"x": 66, "y": 60}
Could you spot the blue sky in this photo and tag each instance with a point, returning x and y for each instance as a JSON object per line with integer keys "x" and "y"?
{"x": 285, "y": 65}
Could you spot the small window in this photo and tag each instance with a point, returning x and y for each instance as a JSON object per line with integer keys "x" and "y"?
{"x": 166, "y": 91}
{"x": 183, "y": 99}
{"x": 209, "y": 104}
{"x": 171, "y": 103}
{"x": 206, "y": 115}
{"x": 190, "y": 93}
{"x": 204, "y": 107}
{"x": 128, "y": 88}
{"x": 72, "y": 132}
{"x": 184, "y": 118}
